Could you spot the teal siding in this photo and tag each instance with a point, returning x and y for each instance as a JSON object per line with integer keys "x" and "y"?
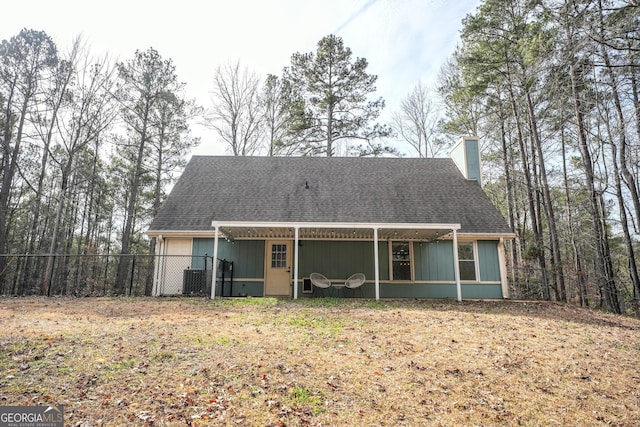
{"x": 247, "y": 256}
{"x": 421, "y": 290}
{"x": 383, "y": 253}
{"x": 434, "y": 260}
{"x": 473, "y": 159}
{"x": 488, "y": 260}
{"x": 482, "y": 291}
{"x": 417, "y": 290}
{"x": 339, "y": 260}
{"x": 252, "y": 289}
{"x": 200, "y": 247}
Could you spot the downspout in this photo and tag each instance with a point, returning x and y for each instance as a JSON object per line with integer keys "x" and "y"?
{"x": 503, "y": 269}
{"x": 214, "y": 269}
{"x": 456, "y": 265}
{"x": 159, "y": 265}
{"x": 295, "y": 264}
{"x": 376, "y": 263}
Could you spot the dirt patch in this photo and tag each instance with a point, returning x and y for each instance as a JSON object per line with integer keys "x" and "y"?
{"x": 260, "y": 361}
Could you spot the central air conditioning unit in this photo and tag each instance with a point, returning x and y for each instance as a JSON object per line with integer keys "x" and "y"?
{"x": 194, "y": 281}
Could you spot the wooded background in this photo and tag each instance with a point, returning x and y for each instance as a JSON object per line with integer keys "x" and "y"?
{"x": 91, "y": 146}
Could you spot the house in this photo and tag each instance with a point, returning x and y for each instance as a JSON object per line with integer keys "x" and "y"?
{"x": 418, "y": 228}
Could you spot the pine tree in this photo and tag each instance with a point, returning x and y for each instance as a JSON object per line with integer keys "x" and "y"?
{"x": 330, "y": 92}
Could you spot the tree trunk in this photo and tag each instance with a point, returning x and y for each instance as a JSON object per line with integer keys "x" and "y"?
{"x": 604, "y": 278}
{"x": 9, "y": 166}
{"x": 539, "y": 250}
{"x": 330, "y": 130}
{"x": 622, "y": 170}
{"x": 548, "y": 204}
{"x": 125, "y": 260}
{"x": 509, "y": 184}
{"x": 48, "y": 272}
{"x": 577, "y": 258}
{"x": 633, "y": 267}
{"x": 43, "y": 171}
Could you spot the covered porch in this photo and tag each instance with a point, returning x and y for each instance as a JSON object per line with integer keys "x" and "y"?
{"x": 299, "y": 232}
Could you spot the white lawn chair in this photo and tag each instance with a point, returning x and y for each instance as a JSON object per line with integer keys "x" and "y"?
{"x": 355, "y": 282}
{"x": 319, "y": 282}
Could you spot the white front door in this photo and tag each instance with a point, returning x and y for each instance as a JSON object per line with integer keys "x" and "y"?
{"x": 278, "y": 268}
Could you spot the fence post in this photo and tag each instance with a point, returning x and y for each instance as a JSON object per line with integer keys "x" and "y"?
{"x": 50, "y": 283}
{"x": 133, "y": 269}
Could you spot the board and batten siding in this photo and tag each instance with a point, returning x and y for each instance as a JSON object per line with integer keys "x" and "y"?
{"x": 247, "y": 256}
{"x": 489, "y": 261}
{"x": 466, "y": 155}
{"x": 434, "y": 261}
{"x": 473, "y": 159}
{"x": 248, "y": 263}
{"x": 337, "y": 260}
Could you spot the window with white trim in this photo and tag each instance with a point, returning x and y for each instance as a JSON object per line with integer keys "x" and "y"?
{"x": 278, "y": 255}
{"x": 467, "y": 260}
{"x": 401, "y": 260}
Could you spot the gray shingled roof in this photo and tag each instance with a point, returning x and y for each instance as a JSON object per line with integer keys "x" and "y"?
{"x": 354, "y": 190}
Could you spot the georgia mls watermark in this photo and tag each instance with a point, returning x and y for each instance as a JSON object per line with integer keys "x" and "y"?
{"x": 31, "y": 416}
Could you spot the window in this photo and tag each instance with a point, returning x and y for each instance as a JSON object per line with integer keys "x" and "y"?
{"x": 466, "y": 261}
{"x": 401, "y": 260}
{"x": 279, "y": 255}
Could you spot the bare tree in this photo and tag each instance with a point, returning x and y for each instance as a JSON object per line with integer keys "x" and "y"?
{"x": 172, "y": 140}
{"x": 275, "y": 97}
{"x": 145, "y": 82}
{"x": 603, "y": 269}
{"x": 462, "y": 108}
{"x": 89, "y": 114}
{"x": 417, "y": 122}
{"x": 45, "y": 123}
{"x": 24, "y": 61}
{"x": 236, "y": 114}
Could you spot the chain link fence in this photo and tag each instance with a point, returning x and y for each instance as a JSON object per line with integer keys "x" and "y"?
{"x": 526, "y": 283}
{"x": 97, "y": 275}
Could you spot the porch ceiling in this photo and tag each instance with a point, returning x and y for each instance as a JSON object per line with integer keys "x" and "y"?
{"x": 328, "y": 233}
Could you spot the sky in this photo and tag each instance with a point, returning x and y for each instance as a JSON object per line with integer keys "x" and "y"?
{"x": 404, "y": 41}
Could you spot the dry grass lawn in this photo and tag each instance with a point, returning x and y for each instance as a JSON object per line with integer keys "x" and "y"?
{"x": 325, "y": 362}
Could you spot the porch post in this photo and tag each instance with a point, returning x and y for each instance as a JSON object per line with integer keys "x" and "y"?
{"x": 295, "y": 264}
{"x": 456, "y": 265}
{"x": 214, "y": 269}
{"x": 376, "y": 262}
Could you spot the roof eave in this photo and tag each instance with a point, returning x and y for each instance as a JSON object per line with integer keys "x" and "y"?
{"x": 486, "y": 236}
{"x": 180, "y": 233}
{"x": 368, "y": 225}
